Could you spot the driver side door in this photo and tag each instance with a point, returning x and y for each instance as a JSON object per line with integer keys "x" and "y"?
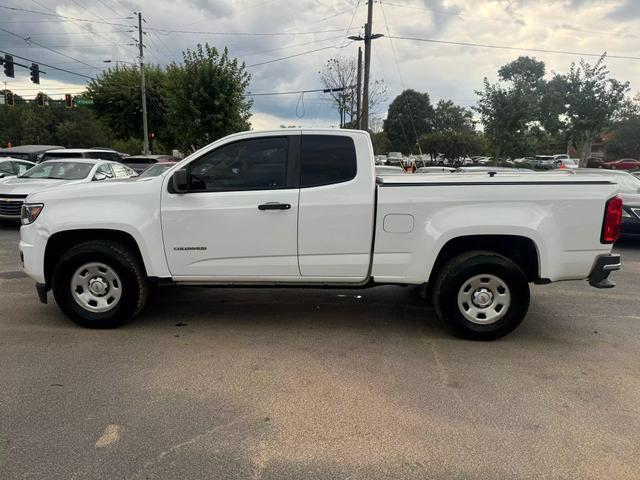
{"x": 238, "y": 218}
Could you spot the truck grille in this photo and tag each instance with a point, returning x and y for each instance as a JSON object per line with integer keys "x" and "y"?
{"x": 636, "y": 211}
{"x": 10, "y": 205}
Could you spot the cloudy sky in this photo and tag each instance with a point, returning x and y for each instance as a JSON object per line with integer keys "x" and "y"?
{"x": 311, "y": 32}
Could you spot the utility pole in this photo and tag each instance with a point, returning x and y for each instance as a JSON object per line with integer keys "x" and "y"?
{"x": 145, "y": 128}
{"x": 359, "y": 91}
{"x": 367, "y": 65}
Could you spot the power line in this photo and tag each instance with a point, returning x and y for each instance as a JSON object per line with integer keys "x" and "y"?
{"x": 64, "y": 16}
{"x": 51, "y": 66}
{"x": 164, "y": 31}
{"x": 504, "y": 47}
{"x": 346, "y": 34}
{"x": 72, "y": 46}
{"x": 250, "y": 54}
{"x": 293, "y": 92}
{"x": 293, "y": 56}
{"x": 84, "y": 27}
{"x": 45, "y": 47}
{"x": 513, "y": 22}
{"x": 92, "y": 33}
{"x": 407, "y": 105}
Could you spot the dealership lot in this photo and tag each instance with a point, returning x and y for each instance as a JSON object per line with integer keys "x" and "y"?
{"x": 308, "y": 383}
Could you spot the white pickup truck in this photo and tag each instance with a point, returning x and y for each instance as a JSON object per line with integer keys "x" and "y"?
{"x": 304, "y": 208}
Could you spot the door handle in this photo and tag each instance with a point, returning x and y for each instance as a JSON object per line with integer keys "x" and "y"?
{"x": 274, "y": 206}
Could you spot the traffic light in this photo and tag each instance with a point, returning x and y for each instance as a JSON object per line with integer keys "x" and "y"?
{"x": 40, "y": 99}
{"x": 8, "y": 65}
{"x": 35, "y": 73}
{"x": 8, "y": 98}
{"x": 68, "y": 100}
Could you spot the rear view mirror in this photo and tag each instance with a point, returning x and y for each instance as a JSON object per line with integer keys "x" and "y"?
{"x": 1, "y": 175}
{"x": 180, "y": 181}
{"x": 99, "y": 176}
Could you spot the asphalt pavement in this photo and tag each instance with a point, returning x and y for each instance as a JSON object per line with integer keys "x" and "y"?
{"x": 319, "y": 384}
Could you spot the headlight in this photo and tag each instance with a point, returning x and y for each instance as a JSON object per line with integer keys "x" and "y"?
{"x": 30, "y": 212}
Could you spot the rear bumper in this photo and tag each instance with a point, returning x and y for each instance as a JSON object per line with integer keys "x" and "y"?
{"x": 603, "y": 266}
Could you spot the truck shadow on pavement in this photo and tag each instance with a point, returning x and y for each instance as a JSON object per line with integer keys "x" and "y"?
{"x": 386, "y": 308}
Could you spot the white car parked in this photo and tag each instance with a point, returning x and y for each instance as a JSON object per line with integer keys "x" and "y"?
{"x": 51, "y": 173}
{"x": 10, "y": 167}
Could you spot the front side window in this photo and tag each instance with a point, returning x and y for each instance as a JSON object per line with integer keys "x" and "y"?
{"x": 21, "y": 167}
{"x": 255, "y": 164}
{"x": 326, "y": 159}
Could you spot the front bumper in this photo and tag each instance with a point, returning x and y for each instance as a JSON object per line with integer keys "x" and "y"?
{"x": 603, "y": 266}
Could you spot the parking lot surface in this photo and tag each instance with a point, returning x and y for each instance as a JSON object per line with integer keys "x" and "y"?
{"x": 316, "y": 384}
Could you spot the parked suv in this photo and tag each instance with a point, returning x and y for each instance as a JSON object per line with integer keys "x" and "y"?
{"x": 94, "y": 153}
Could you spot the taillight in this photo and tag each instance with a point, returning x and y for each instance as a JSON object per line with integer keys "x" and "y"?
{"x": 612, "y": 220}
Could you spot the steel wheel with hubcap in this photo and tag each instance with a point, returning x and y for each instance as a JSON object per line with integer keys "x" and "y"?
{"x": 96, "y": 287}
{"x": 484, "y": 299}
{"x": 481, "y": 295}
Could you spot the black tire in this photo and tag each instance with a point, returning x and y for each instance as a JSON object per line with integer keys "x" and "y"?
{"x": 456, "y": 272}
{"x": 134, "y": 285}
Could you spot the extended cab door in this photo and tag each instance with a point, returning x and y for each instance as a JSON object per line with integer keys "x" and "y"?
{"x": 337, "y": 205}
{"x": 238, "y": 220}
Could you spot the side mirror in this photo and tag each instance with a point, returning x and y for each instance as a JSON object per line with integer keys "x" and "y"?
{"x": 99, "y": 176}
{"x": 2, "y": 175}
{"x": 180, "y": 181}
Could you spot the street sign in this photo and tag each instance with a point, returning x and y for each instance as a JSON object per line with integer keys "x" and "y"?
{"x": 83, "y": 101}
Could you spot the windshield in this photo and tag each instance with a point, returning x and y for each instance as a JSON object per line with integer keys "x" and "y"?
{"x": 60, "y": 171}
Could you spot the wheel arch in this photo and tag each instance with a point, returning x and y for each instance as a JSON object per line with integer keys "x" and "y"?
{"x": 521, "y": 250}
{"x": 62, "y": 241}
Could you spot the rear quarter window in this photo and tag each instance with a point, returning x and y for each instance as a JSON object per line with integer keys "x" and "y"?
{"x": 326, "y": 160}
{"x": 49, "y": 156}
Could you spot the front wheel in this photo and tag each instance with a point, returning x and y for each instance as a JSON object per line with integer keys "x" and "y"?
{"x": 99, "y": 284}
{"x": 481, "y": 295}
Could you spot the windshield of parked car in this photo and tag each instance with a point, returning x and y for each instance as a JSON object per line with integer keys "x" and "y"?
{"x": 60, "y": 171}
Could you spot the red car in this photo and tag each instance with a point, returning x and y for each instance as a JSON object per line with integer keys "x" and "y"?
{"x": 622, "y": 164}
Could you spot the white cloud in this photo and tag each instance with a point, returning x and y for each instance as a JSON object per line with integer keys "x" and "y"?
{"x": 444, "y": 71}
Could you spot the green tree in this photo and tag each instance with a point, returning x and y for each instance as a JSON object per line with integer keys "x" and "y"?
{"x": 380, "y": 141}
{"x": 505, "y": 115}
{"x": 593, "y": 99}
{"x": 624, "y": 139}
{"x": 451, "y": 117}
{"x": 85, "y": 130}
{"x": 118, "y": 103}
{"x": 513, "y": 110}
{"x": 206, "y": 97}
{"x": 410, "y": 116}
{"x": 452, "y": 144}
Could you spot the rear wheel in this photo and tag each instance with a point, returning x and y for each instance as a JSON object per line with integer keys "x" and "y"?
{"x": 99, "y": 284}
{"x": 481, "y": 295}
